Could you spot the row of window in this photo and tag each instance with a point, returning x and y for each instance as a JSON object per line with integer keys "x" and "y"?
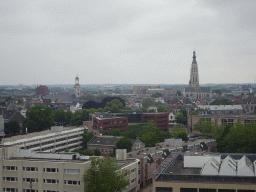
{"x": 35, "y": 180}
{"x": 10, "y": 190}
{"x": 48, "y": 170}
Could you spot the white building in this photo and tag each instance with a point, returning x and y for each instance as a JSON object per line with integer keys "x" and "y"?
{"x": 54, "y": 141}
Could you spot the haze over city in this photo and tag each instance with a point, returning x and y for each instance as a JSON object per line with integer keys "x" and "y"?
{"x": 135, "y": 41}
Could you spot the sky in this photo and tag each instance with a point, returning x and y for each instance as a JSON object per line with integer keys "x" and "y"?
{"x": 126, "y": 41}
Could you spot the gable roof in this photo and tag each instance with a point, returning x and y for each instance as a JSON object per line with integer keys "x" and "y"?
{"x": 12, "y": 107}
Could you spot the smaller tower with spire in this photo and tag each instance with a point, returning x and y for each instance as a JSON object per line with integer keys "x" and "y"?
{"x": 194, "y": 76}
{"x": 77, "y": 88}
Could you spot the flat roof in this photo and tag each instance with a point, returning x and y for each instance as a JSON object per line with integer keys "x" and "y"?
{"x": 150, "y": 150}
{"x": 36, "y": 135}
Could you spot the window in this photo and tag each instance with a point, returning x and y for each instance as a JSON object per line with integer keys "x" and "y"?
{"x": 133, "y": 180}
{"x": 28, "y": 180}
{"x": 10, "y": 168}
{"x": 50, "y": 191}
{"x": 30, "y": 169}
{"x": 71, "y": 182}
{"x": 10, "y": 189}
{"x": 30, "y": 190}
{"x": 10, "y": 178}
{"x": 51, "y": 170}
{"x": 72, "y": 171}
{"x": 51, "y": 181}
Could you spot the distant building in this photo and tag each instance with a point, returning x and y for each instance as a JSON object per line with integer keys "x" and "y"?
{"x": 194, "y": 90}
{"x": 220, "y": 119}
{"x": 143, "y": 89}
{"x": 12, "y": 113}
{"x": 77, "y": 88}
{"x": 42, "y": 90}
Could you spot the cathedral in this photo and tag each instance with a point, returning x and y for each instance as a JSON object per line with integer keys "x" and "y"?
{"x": 194, "y": 90}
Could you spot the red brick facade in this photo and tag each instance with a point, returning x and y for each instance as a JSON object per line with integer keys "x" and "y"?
{"x": 109, "y": 124}
{"x": 42, "y": 90}
{"x": 161, "y": 120}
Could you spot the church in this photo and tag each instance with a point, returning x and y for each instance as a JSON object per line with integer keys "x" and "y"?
{"x": 194, "y": 90}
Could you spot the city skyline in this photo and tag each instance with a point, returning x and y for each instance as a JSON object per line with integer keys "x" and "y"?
{"x": 126, "y": 42}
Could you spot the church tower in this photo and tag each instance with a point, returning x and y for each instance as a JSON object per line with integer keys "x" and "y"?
{"x": 77, "y": 88}
{"x": 194, "y": 77}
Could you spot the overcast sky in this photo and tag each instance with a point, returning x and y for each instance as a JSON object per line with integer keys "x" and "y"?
{"x": 126, "y": 41}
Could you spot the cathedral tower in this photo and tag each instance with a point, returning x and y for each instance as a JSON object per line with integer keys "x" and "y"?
{"x": 77, "y": 88}
{"x": 194, "y": 77}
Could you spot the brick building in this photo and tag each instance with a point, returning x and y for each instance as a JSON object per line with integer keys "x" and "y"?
{"x": 42, "y": 90}
{"x": 109, "y": 124}
{"x": 161, "y": 120}
{"x": 105, "y": 144}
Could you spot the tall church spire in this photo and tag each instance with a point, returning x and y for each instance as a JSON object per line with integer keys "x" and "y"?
{"x": 194, "y": 76}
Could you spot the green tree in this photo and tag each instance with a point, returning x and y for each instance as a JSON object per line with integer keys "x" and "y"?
{"x": 85, "y": 114}
{"x": 124, "y": 143}
{"x": 8, "y": 99}
{"x": 76, "y": 119}
{"x": 147, "y": 102}
{"x": 221, "y": 102}
{"x": 127, "y": 108}
{"x": 60, "y": 116}
{"x": 97, "y": 152}
{"x": 116, "y": 132}
{"x": 115, "y": 106}
{"x": 218, "y": 91}
{"x": 178, "y": 93}
{"x": 101, "y": 96}
{"x": 161, "y": 108}
{"x": 39, "y": 118}
{"x": 182, "y": 116}
{"x": 68, "y": 116}
{"x": 178, "y": 132}
{"x": 157, "y": 95}
{"x": 193, "y": 113}
{"x": 14, "y": 127}
{"x": 87, "y": 136}
{"x": 104, "y": 174}
{"x": 3, "y": 103}
{"x": 152, "y": 111}
{"x": 20, "y": 101}
{"x": 143, "y": 109}
{"x": 88, "y": 97}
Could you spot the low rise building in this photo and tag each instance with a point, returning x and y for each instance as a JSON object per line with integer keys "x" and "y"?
{"x": 105, "y": 144}
{"x": 206, "y": 172}
{"x": 55, "y": 140}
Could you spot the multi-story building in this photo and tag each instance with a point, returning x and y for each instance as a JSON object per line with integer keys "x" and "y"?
{"x": 63, "y": 172}
{"x": 152, "y": 157}
{"x": 161, "y": 120}
{"x": 143, "y": 89}
{"x": 220, "y": 119}
{"x": 193, "y": 172}
{"x": 109, "y": 124}
{"x": 55, "y": 140}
